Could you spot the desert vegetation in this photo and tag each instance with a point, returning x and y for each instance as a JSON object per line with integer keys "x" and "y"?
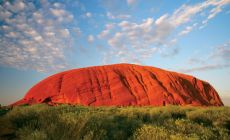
{"x": 38, "y": 122}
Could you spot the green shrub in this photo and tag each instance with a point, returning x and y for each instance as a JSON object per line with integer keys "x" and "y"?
{"x": 151, "y": 132}
{"x": 115, "y": 123}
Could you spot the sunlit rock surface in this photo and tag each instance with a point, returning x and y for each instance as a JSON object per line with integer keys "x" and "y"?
{"x": 122, "y": 85}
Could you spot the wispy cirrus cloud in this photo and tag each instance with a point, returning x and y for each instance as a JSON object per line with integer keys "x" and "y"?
{"x": 34, "y": 37}
{"x": 187, "y": 30}
{"x": 205, "y": 67}
{"x": 118, "y": 16}
{"x": 218, "y": 58}
{"x": 218, "y": 6}
{"x": 150, "y": 36}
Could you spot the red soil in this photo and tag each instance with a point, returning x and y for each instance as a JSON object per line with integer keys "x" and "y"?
{"x": 122, "y": 85}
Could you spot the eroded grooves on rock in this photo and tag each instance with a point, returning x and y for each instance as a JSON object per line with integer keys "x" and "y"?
{"x": 122, "y": 85}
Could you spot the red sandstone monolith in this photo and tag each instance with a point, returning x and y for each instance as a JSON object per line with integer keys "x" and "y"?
{"x": 122, "y": 85}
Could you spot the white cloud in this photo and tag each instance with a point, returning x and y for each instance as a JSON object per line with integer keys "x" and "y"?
{"x": 88, "y": 14}
{"x": 105, "y": 33}
{"x": 57, "y": 12}
{"x": 19, "y": 5}
{"x": 144, "y": 36}
{"x": 131, "y": 42}
{"x": 119, "y": 16}
{"x": 14, "y": 6}
{"x": 34, "y": 38}
{"x": 4, "y": 14}
{"x": 38, "y": 39}
{"x": 161, "y": 19}
{"x": 186, "y": 30}
{"x": 214, "y": 11}
{"x": 61, "y": 14}
{"x": 12, "y": 35}
{"x": 49, "y": 34}
{"x": 185, "y": 13}
{"x": 123, "y": 16}
{"x": 218, "y": 5}
{"x": 90, "y": 38}
{"x": 116, "y": 40}
{"x": 64, "y": 33}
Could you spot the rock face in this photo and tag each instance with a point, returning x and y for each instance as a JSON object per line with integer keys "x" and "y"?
{"x": 122, "y": 85}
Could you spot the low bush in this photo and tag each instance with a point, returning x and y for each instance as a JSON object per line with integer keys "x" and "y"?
{"x": 38, "y": 122}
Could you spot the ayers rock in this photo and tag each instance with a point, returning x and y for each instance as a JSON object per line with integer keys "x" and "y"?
{"x": 122, "y": 85}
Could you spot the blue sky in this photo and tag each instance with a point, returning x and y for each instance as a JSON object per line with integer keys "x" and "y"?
{"x": 42, "y": 37}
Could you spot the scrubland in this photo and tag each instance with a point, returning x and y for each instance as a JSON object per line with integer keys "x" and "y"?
{"x": 68, "y": 122}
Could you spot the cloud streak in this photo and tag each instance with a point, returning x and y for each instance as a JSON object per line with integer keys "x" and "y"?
{"x": 219, "y": 58}
{"x": 119, "y": 16}
{"x": 206, "y": 67}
